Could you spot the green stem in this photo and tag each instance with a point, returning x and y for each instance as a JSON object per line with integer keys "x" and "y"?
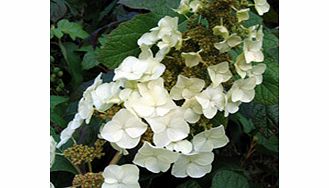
{"x": 116, "y": 158}
{"x": 90, "y": 167}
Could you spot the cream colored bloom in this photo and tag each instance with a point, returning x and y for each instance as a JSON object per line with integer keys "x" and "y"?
{"x": 252, "y": 46}
{"x": 52, "y": 151}
{"x": 241, "y": 66}
{"x": 154, "y": 159}
{"x": 230, "y": 106}
{"x": 169, "y": 128}
{"x": 257, "y": 72}
{"x": 192, "y": 110}
{"x": 106, "y": 94}
{"x": 67, "y": 133}
{"x": 154, "y": 68}
{"x": 131, "y": 68}
{"x": 129, "y": 89}
{"x": 125, "y": 176}
{"x": 192, "y": 58}
{"x": 186, "y": 88}
{"x": 184, "y": 7}
{"x": 221, "y": 30}
{"x": 211, "y": 100}
{"x": 153, "y": 101}
{"x": 210, "y": 139}
{"x": 219, "y": 73}
{"x": 85, "y": 106}
{"x": 194, "y": 165}
{"x": 195, "y": 5}
{"x": 125, "y": 129}
{"x": 228, "y": 43}
{"x": 183, "y": 146}
{"x": 243, "y": 14}
{"x": 167, "y": 32}
{"x": 261, "y": 6}
{"x": 243, "y": 90}
{"x": 187, "y": 6}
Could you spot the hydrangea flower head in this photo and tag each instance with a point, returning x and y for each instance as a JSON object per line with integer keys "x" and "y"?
{"x": 125, "y": 129}
{"x": 219, "y": 73}
{"x": 169, "y": 128}
{"x": 210, "y": 139}
{"x": 153, "y": 101}
{"x": 186, "y": 88}
{"x": 154, "y": 159}
{"x": 211, "y": 99}
{"x": 195, "y": 165}
{"x": 261, "y": 6}
{"x": 125, "y": 176}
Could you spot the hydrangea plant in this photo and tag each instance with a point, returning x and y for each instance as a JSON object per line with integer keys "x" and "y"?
{"x": 161, "y": 105}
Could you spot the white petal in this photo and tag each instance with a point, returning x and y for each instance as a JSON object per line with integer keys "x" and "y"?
{"x": 161, "y": 139}
{"x": 204, "y": 158}
{"x": 112, "y": 132}
{"x": 127, "y": 142}
{"x": 221, "y": 31}
{"x": 234, "y": 40}
{"x": 176, "y": 93}
{"x": 135, "y": 127}
{"x": 157, "y": 124}
{"x": 179, "y": 168}
{"x": 152, "y": 165}
{"x": 148, "y": 39}
{"x": 178, "y": 129}
{"x": 143, "y": 109}
{"x": 164, "y": 109}
{"x": 209, "y": 112}
{"x": 196, "y": 171}
{"x": 201, "y": 144}
{"x": 248, "y": 96}
{"x": 132, "y": 173}
{"x": 190, "y": 116}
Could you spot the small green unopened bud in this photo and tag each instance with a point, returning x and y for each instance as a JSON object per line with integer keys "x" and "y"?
{"x": 56, "y": 69}
{"x": 58, "y": 89}
{"x": 60, "y": 73}
{"x": 53, "y": 76}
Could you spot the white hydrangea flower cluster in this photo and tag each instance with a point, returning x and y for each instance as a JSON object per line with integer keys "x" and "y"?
{"x": 52, "y": 151}
{"x": 138, "y": 87}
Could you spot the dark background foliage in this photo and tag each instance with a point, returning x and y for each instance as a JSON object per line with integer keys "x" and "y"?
{"x": 79, "y": 31}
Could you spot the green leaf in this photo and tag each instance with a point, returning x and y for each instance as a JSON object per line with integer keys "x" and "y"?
{"x": 57, "y": 119}
{"x": 265, "y": 118}
{"x": 73, "y": 29}
{"x": 107, "y": 10}
{"x": 267, "y": 93}
{"x": 62, "y": 164}
{"x": 246, "y": 123}
{"x": 163, "y": 7}
{"x": 73, "y": 61}
{"x": 190, "y": 184}
{"x": 122, "y": 41}
{"x": 271, "y": 143}
{"x": 229, "y": 179}
{"x": 56, "y": 32}
{"x": 54, "y": 134}
{"x": 56, "y": 100}
{"x": 57, "y": 9}
{"x": 254, "y": 19}
{"x": 270, "y": 40}
{"x": 89, "y": 60}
